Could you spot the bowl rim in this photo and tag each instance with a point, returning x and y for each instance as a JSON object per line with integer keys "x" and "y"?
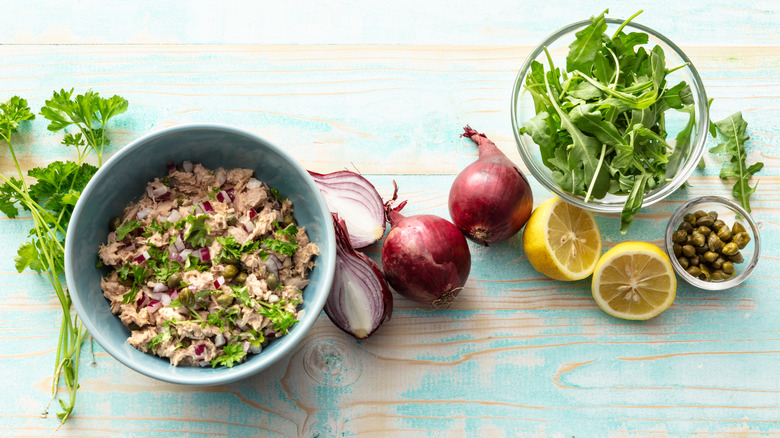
{"x": 673, "y": 223}
{"x": 697, "y": 145}
{"x": 246, "y": 369}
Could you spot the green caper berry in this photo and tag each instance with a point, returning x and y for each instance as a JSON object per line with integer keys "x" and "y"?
{"x": 173, "y": 280}
{"x": 705, "y": 221}
{"x": 686, "y": 226}
{"x": 697, "y": 239}
{"x": 741, "y": 239}
{"x": 737, "y": 258}
{"x": 704, "y": 231}
{"x": 241, "y": 277}
{"x": 677, "y": 249}
{"x": 695, "y": 260}
{"x": 724, "y": 233}
{"x": 230, "y": 271}
{"x": 730, "y": 249}
{"x": 180, "y": 168}
{"x": 699, "y": 213}
{"x": 180, "y": 200}
{"x": 225, "y": 299}
{"x": 231, "y": 220}
{"x": 728, "y": 268}
{"x": 133, "y": 326}
{"x": 187, "y": 298}
{"x": 718, "y": 275}
{"x": 127, "y": 282}
{"x": 718, "y": 263}
{"x": 679, "y": 236}
{"x": 701, "y": 249}
{"x": 718, "y": 224}
{"x": 289, "y": 220}
{"x": 683, "y": 262}
{"x": 690, "y": 218}
{"x": 688, "y": 240}
{"x": 688, "y": 250}
{"x": 114, "y": 223}
{"x": 272, "y": 280}
{"x": 738, "y": 228}
{"x": 713, "y": 215}
{"x": 705, "y": 272}
{"x": 694, "y": 271}
{"x": 714, "y": 243}
{"x": 710, "y": 256}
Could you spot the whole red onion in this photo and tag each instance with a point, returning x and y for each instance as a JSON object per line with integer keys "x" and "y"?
{"x": 425, "y": 258}
{"x": 490, "y": 200}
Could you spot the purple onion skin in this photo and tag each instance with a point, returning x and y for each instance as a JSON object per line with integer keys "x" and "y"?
{"x": 490, "y": 200}
{"x": 425, "y": 258}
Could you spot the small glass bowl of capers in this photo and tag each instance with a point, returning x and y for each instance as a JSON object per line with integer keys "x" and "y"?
{"x": 712, "y": 242}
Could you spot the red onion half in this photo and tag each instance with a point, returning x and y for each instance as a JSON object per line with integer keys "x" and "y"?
{"x": 355, "y": 200}
{"x": 359, "y": 300}
{"x": 425, "y": 258}
{"x": 490, "y": 200}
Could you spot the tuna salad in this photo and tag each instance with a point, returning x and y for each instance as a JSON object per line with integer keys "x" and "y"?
{"x": 207, "y": 267}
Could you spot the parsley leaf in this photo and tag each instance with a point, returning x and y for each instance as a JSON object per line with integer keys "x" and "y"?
{"x": 139, "y": 274}
{"x": 126, "y": 228}
{"x": 28, "y": 256}
{"x": 232, "y": 250}
{"x": 280, "y": 318}
{"x": 285, "y": 247}
{"x": 198, "y": 233}
{"x": 231, "y": 353}
{"x": 242, "y": 293}
{"x": 275, "y": 193}
{"x": 192, "y": 262}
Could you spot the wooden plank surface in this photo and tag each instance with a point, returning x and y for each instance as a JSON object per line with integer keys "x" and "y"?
{"x": 386, "y": 88}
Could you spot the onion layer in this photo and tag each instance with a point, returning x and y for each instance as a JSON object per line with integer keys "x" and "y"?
{"x": 425, "y": 258}
{"x": 356, "y": 201}
{"x": 359, "y": 300}
{"x": 490, "y": 200}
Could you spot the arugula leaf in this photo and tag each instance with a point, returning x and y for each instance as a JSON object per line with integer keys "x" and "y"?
{"x": 633, "y": 203}
{"x": 584, "y": 49}
{"x": 126, "y": 228}
{"x": 732, "y": 130}
{"x": 198, "y": 233}
{"x": 231, "y": 354}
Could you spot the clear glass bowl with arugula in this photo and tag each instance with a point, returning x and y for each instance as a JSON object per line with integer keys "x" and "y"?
{"x": 610, "y": 115}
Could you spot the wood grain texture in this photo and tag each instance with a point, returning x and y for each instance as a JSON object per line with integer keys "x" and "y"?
{"x": 386, "y": 88}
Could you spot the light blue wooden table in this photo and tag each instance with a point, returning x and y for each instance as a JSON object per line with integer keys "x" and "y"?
{"x": 386, "y": 87}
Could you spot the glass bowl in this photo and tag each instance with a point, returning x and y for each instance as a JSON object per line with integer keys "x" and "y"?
{"x": 523, "y": 109}
{"x": 728, "y": 212}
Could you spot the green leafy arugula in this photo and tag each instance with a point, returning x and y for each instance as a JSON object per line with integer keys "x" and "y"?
{"x": 231, "y": 354}
{"x": 732, "y": 131}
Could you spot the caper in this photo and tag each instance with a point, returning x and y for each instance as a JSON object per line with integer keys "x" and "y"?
{"x": 713, "y": 214}
{"x": 695, "y": 260}
{"x": 230, "y": 271}
{"x": 718, "y": 263}
{"x": 688, "y": 240}
{"x": 737, "y": 258}
{"x": 225, "y": 299}
{"x": 133, "y": 326}
{"x": 127, "y": 282}
{"x": 688, "y": 250}
{"x": 724, "y": 233}
{"x": 173, "y": 280}
{"x": 728, "y": 268}
{"x": 180, "y": 168}
{"x": 241, "y": 277}
{"x": 705, "y": 221}
{"x": 683, "y": 262}
{"x": 690, "y": 218}
{"x": 686, "y": 226}
{"x": 718, "y": 275}
{"x": 272, "y": 281}
{"x": 730, "y": 249}
{"x": 738, "y": 228}
{"x": 677, "y": 249}
{"x": 694, "y": 271}
{"x": 704, "y": 231}
{"x": 705, "y": 272}
{"x": 701, "y": 249}
{"x": 710, "y": 256}
{"x": 114, "y": 223}
{"x": 741, "y": 239}
{"x": 231, "y": 220}
{"x": 187, "y": 298}
{"x": 180, "y": 200}
{"x": 699, "y": 214}
{"x": 714, "y": 243}
{"x": 679, "y": 236}
{"x": 718, "y": 224}
{"x": 289, "y": 220}
{"x": 697, "y": 239}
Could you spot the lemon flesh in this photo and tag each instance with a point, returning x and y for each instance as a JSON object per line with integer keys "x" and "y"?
{"x": 634, "y": 280}
{"x": 562, "y": 241}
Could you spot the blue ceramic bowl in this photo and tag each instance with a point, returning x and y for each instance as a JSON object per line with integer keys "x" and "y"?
{"x": 123, "y": 178}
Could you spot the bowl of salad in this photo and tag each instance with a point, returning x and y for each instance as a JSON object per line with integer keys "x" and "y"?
{"x": 200, "y": 254}
{"x": 610, "y": 115}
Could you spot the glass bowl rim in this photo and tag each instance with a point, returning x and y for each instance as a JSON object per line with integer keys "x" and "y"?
{"x": 673, "y": 223}
{"x": 697, "y": 145}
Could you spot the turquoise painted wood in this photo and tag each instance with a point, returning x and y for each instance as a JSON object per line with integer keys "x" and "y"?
{"x": 385, "y": 88}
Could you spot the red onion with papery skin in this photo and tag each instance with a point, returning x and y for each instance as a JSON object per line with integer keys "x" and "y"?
{"x": 360, "y": 300}
{"x": 425, "y": 258}
{"x": 490, "y": 200}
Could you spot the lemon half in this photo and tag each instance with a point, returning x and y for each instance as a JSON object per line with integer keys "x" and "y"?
{"x": 634, "y": 280}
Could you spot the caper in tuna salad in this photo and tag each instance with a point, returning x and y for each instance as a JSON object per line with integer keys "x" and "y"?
{"x": 207, "y": 267}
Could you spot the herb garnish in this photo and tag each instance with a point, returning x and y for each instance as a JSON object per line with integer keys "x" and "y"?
{"x": 732, "y": 130}
{"x": 231, "y": 353}
{"x": 285, "y": 247}
{"x": 232, "y": 250}
{"x": 126, "y": 228}
{"x": 198, "y": 233}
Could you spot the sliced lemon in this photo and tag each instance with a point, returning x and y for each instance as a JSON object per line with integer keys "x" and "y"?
{"x": 634, "y": 280}
{"x": 562, "y": 241}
